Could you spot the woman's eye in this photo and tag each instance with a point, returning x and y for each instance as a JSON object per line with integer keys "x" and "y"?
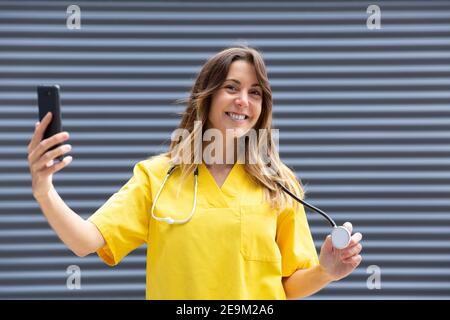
{"x": 234, "y": 88}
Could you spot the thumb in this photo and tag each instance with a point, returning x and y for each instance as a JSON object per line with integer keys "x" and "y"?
{"x": 327, "y": 244}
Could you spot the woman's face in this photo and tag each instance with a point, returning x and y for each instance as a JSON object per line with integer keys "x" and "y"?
{"x": 237, "y": 103}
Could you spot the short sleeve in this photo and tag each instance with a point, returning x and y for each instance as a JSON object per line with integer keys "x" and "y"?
{"x": 295, "y": 241}
{"x": 123, "y": 219}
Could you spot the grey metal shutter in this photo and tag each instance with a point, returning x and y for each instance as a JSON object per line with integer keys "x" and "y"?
{"x": 363, "y": 115}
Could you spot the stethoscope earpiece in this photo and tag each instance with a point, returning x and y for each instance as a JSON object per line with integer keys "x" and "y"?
{"x": 340, "y": 237}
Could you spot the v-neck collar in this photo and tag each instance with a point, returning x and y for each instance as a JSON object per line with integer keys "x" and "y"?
{"x": 225, "y": 196}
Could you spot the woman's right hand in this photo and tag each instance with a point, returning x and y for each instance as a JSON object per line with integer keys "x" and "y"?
{"x": 40, "y": 160}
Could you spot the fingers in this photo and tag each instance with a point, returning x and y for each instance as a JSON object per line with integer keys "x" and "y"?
{"x": 353, "y": 248}
{"x": 351, "y": 254}
{"x": 348, "y": 226}
{"x": 355, "y": 239}
{"x": 39, "y": 131}
{"x": 351, "y": 251}
{"x": 46, "y": 144}
{"x": 58, "y": 166}
{"x": 354, "y": 261}
{"x": 47, "y": 159}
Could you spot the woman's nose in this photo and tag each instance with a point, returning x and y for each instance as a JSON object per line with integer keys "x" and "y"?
{"x": 242, "y": 101}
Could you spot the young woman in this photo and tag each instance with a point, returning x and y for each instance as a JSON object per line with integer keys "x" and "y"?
{"x": 216, "y": 227}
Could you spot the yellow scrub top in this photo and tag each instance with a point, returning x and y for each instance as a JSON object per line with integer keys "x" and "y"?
{"x": 234, "y": 247}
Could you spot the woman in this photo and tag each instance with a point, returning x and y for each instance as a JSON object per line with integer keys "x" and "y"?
{"x": 240, "y": 236}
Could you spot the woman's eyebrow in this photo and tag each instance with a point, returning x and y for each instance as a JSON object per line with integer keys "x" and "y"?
{"x": 238, "y": 82}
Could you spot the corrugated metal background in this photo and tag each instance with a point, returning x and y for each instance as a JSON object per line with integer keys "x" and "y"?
{"x": 363, "y": 115}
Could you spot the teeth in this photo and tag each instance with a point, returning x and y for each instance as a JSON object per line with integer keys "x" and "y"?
{"x": 236, "y": 116}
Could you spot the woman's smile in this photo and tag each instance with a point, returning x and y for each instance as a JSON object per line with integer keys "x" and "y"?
{"x": 237, "y": 118}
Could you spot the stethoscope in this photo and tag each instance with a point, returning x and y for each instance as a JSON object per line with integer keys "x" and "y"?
{"x": 340, "y": 236}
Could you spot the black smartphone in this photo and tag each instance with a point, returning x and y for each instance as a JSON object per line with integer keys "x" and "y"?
{"x": 49, "y": 101}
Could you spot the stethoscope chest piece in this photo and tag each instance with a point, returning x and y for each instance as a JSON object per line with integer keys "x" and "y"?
{"x": 340, "y": 237}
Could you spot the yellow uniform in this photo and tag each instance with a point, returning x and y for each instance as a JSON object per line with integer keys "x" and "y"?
{"x": 234, "y": 247}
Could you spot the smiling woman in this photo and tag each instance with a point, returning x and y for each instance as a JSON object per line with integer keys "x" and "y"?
{"x": 237, "y": 104}
{"x": 238, "y": 235}
{"x": 232, "y": 93}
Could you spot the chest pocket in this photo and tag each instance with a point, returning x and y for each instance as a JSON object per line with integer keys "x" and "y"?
{"x": 258, "y": 232}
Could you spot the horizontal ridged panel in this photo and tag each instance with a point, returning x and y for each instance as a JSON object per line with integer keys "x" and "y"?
{"x": 364, "y": 119}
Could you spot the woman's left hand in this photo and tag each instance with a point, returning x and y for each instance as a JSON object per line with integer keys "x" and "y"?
{"x": 339, "y": 263}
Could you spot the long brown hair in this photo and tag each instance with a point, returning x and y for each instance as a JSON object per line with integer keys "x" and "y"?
{"x": 209, "y": 80}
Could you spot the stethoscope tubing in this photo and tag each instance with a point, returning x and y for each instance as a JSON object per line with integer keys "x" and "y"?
{"x": 326, "y": 216}
{"x": 340, "y": 236}
{"x": 170, "y": 220}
